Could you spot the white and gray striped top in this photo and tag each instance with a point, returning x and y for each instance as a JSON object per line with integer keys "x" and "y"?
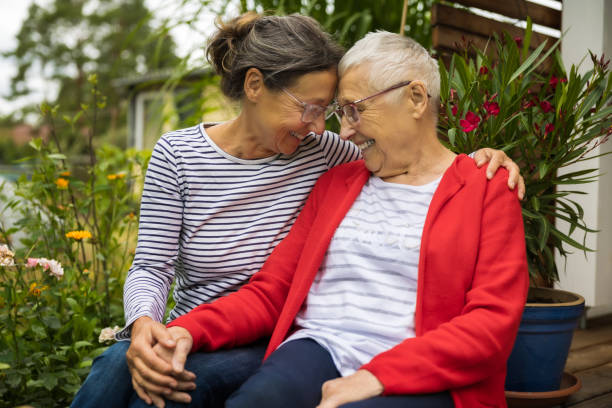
{"x": 363, "y": 298}
{"x": 209, "y": 220}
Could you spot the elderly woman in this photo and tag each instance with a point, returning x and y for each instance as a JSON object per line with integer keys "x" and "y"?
{"x": 217, "y": 200}
{"x": 402, "y": 282}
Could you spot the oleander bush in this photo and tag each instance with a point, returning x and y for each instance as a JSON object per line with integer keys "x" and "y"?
{"x": 546, "y": 121}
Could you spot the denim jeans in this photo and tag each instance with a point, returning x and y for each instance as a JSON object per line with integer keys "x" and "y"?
{"x": 293, "y": 375}
{"x": 218, "y": 374}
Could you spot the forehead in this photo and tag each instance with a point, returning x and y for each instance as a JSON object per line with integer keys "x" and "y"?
{"x": 316, "y": 87}
{"x": 353, "y": 84}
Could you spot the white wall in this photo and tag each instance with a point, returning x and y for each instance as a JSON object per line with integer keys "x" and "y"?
{"x": 588, "y": 25}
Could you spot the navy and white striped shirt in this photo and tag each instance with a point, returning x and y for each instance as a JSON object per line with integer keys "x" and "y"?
{"x": 209, "y": 220}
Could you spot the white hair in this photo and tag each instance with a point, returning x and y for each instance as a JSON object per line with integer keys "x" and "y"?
{"x": 393, "y": 58}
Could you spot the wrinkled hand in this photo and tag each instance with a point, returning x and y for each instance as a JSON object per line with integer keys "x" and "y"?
{"x": 355, "y": 387}
{"x": 496, "y": 159}
{"x": 176, "y": 356}
{"x": 150, "y": 373}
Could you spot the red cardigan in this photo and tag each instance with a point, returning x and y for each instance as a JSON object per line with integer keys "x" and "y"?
{"x": 472, "y": 286}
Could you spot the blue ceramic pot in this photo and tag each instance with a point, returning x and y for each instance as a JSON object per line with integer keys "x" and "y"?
{"x": 543, "y": 342}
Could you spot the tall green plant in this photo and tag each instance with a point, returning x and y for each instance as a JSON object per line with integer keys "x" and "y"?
{"x": 544, "y": 122}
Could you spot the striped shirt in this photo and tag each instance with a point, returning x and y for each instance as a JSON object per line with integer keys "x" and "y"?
{"x": 363, "y": 298}
{"x": 209, "y": 220}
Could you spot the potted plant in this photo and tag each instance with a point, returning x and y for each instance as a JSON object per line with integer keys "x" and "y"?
{"x": 545, "y": 122}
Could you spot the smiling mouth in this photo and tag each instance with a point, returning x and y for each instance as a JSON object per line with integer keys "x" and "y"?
{"x": 298, "y": 136}
{"x": 366, "y": 144}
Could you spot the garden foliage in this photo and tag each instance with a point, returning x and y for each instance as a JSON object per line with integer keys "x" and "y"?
{"x": 62, "y": 283}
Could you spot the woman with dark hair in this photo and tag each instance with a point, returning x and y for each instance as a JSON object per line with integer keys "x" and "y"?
{"x": 217, "y": 200}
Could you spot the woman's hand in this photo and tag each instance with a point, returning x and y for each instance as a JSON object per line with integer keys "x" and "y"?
{"x": 176, "y": 356}
{"x": 355, "y": 387}
{"x": 497, "y": 158}
{"x": 150, "y": 373}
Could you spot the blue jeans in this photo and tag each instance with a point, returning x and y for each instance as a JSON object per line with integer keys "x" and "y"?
{"x": 218, "y": 374}
{"x": 293, "y": 375}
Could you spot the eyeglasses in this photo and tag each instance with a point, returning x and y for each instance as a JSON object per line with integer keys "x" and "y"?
{"x": 310, "y": 111}
{"x": 351, "y": 111}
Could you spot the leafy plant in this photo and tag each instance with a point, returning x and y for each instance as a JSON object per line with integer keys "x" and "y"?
{"x": 544, "y": 122}
{"x": 62, "y": 283}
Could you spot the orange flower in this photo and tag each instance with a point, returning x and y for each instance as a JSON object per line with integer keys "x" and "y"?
{"x": 78, "y": 235}
{"x": 65, "y": 174}
{"x": 115, "y": 176}
{"x": 61, "y": 183}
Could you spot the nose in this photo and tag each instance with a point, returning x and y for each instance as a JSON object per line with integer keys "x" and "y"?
{"x": 318, "y": 125}
{"x": 346, "y": 129}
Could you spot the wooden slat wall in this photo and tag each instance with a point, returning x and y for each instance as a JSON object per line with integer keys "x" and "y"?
{"x": 451, "y": 24}
{"x": 518, "y": 9}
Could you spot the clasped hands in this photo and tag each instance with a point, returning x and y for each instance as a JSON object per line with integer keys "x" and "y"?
{"x": 156, "y": 360}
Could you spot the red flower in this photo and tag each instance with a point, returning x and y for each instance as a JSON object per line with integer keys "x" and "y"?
{"x": 454, "y": 110}
{"x": 470, "y": 122}
{"x": 554, "y": 81}
{"x": 518, "y": 41}
{"x": 528, "y": 104}
{"x": 546, "y": 106}
{"x": 549, "y": 128}
{"x": 483, "y": 70}
{"x": 492, "y": 108}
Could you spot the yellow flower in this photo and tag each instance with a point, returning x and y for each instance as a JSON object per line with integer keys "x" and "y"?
{"x": 65, "y": 174}
{"x": 61, "y": 183}
{"x": 78, "y": 235}
{"x": 34, "y": 291}
{"x": 115, "y": 176}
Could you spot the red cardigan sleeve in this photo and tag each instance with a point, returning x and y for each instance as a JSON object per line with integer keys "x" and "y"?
{"x": 476, "y": 343}
{"x": 252, "y": 312}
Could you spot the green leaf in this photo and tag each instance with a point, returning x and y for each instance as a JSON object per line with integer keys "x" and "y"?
{"x": 81, "y": 343}
{"x": 4, "y": 366}
{"x": 543, "y": 169}
{"x": 52, "y": 322}
{"x": 451, "y": 135}
{"x": 57, "y": 156}
{"x": 528, "y": 62}
{"x": 36, "y": 143}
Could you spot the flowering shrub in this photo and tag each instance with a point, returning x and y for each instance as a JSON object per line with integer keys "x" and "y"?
{"x": 62, "y": 283}
{"x": 544, "y": 122}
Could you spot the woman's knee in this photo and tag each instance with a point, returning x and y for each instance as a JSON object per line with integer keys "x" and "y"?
{"x": 113, "y": 357}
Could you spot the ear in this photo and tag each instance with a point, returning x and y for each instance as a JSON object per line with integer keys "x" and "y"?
{"x": 417, "y": 93}
{"x": 253, "y": 84}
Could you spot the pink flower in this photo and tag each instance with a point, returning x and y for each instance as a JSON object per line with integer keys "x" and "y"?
{"x": 549, "y": 128}
{"x": 546, "y": 106}
{"x": 492, "y": 108}
{"x": 454, "y": 110}
{"x": 483, "y": 70}
{"x": 54, "y": 267}
{"x": 470, "y": 122}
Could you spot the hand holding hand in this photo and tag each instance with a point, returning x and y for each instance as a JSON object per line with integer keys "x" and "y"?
{"x": 355, "y": 387}
{"x": 176, "y": 356}
{"x": 150, "y": 373}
